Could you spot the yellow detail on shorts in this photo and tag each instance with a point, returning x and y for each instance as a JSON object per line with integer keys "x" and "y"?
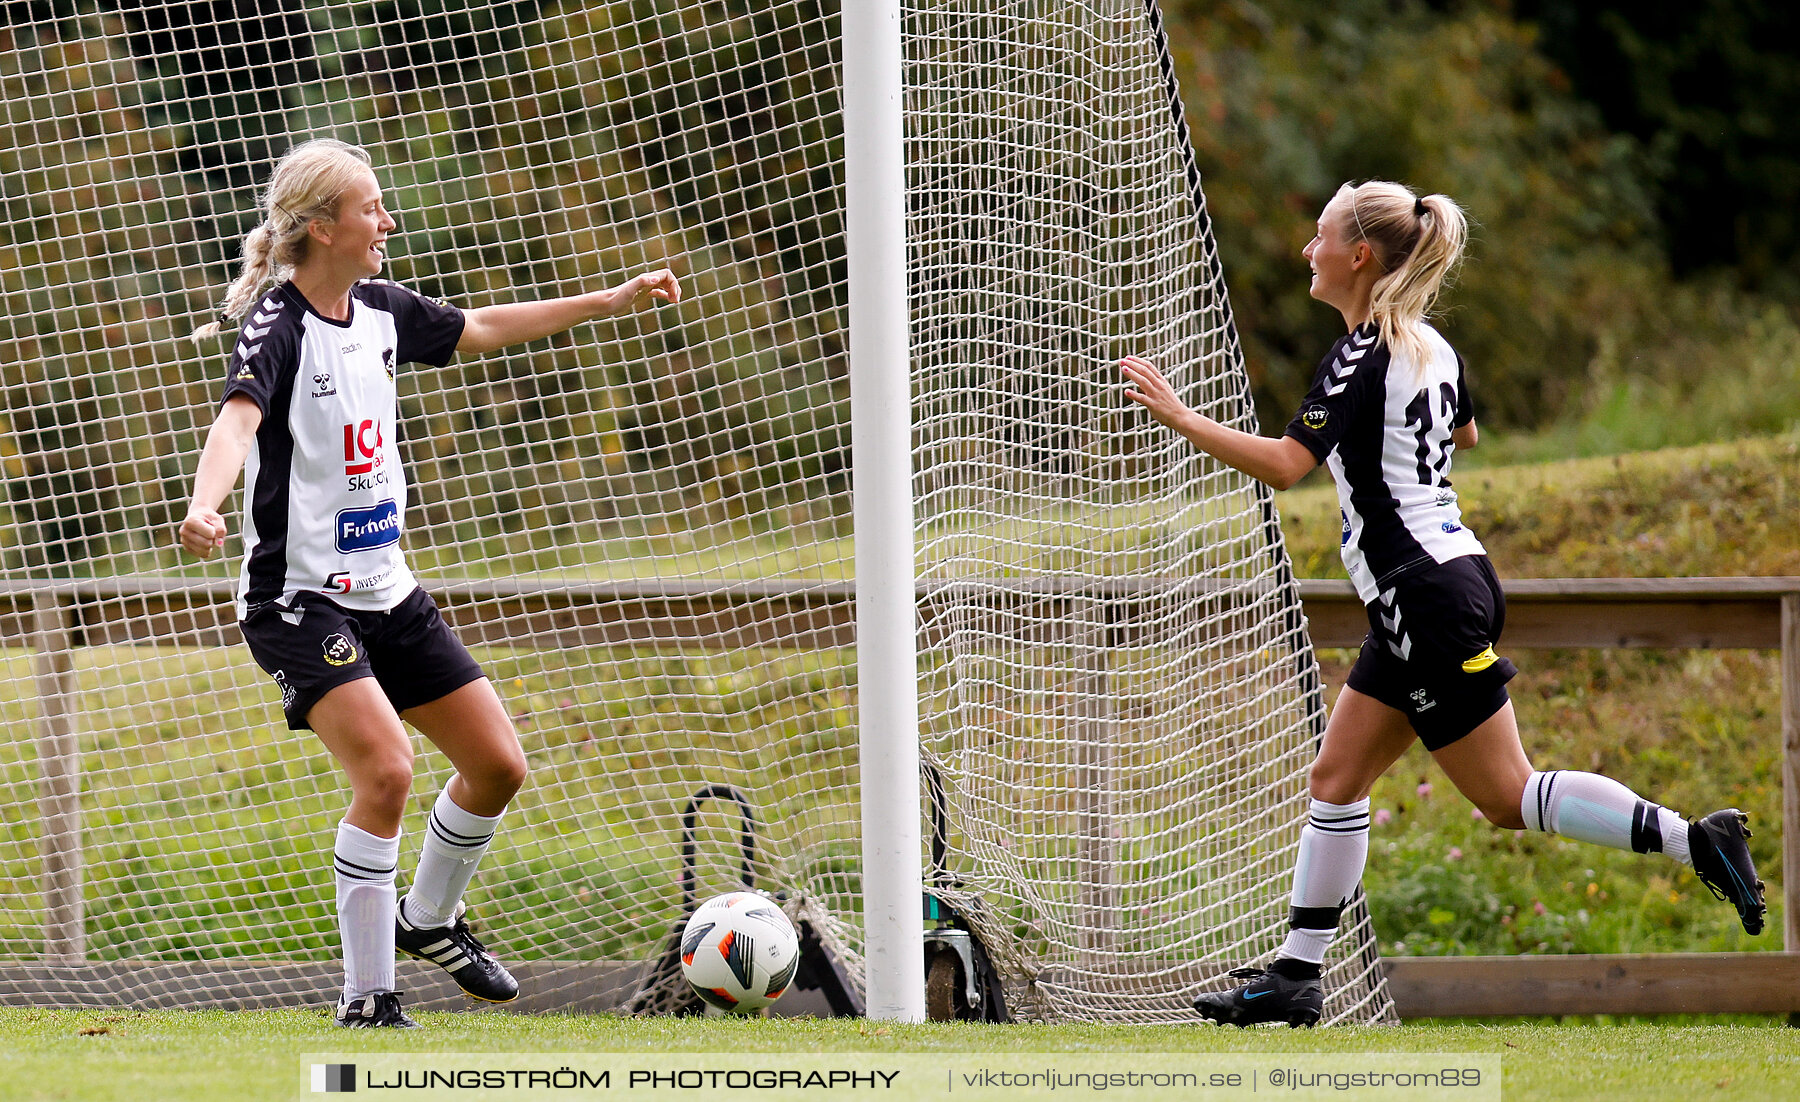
{"x": 1481, "y": 661}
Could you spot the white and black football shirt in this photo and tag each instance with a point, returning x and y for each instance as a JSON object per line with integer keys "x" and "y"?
{"x": 1382, "y": 424}
{"x": 326, "y": 498}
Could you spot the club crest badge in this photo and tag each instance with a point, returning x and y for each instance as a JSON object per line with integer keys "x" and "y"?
{"x": 339, "y": 650}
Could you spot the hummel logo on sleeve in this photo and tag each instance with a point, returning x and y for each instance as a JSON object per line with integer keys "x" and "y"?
{"x": 256, "y": 326}
{"x": 1345, "y": 365}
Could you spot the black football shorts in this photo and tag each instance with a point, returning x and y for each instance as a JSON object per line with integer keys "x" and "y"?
{"x": 317, "y": 645}
{"x": 1430, "y": 649}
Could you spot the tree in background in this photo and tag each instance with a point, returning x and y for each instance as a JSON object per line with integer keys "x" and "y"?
{"x": 1570, "y": 310}
{"x": 1711, "y": 89}
{"x": 100, "y": 276}
{"x": 1633, "y": 187}
{"x": 1289, "y": 100}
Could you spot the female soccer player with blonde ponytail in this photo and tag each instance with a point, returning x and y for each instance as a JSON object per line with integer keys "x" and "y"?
{"x": 325, "y": 599}
{"x": 1388, "y": 408}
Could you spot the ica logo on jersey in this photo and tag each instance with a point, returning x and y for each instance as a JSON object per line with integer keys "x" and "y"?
{"x": 366, "y": 529}
{"x": 362, "y": 455}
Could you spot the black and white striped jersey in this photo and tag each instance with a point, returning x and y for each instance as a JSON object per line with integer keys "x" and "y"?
{"x": 326, "y": 498}
{"x": 1382, "y": 425}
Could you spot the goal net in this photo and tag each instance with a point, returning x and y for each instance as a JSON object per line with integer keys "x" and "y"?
{"x": 642, "y": 527}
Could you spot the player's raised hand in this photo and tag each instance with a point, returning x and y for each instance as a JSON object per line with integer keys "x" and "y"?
{"x": 1153, "y": 392}
{"x": 202, "y": 532}
{"x": 491, "y": 328}
{"x": 659, "y": 284}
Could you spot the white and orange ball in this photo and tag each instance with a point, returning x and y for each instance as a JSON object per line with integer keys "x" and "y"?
{"x": 739, "y": 952}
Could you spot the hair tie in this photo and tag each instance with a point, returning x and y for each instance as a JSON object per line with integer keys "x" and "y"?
{"x": 1419, "y": 208}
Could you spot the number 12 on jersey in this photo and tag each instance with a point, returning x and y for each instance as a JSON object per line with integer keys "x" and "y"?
{"x": 1419, "y": 412}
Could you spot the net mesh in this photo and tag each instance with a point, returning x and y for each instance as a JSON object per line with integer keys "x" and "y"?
{"x": 642, "y": 527}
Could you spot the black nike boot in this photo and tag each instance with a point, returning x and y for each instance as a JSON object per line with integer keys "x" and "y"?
{"x": 1722, "y": 862}
{"x": 1268, "y": 997}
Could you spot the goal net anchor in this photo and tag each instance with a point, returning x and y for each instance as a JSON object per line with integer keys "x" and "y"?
{"x": 961, "y": 982}
{"x": 661, "y": 988}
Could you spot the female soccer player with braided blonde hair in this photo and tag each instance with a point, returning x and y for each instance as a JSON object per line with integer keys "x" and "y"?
{"x": 1388, "y": 408}
{"x": 325, "y": 599}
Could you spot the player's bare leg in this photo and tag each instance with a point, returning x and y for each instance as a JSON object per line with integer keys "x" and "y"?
{"x": 358, "y": 725}
{"x": 471, "y": 727}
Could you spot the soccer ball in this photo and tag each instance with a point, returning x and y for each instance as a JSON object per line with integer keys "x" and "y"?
{"x": 739, "y": 952}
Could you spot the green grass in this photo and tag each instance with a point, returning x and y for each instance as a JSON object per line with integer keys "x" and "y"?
{"x": 615, "y": 738}
{"x": 90, "y": 1056}
{"x": 1072, "y": 535}
{"x": 1713, "y": 509}
{"x": 1645, "y": 393}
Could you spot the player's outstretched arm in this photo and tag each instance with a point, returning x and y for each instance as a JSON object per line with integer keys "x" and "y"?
{"x": 202, "y": 531}
{"x": 1279, "y": 461}
{"x": 490, "y": 328}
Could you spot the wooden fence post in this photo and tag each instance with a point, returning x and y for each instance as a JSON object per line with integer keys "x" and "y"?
{"x": 1790, "y": 770}
{"x": 1096, "y": 804}
{"x": 59, "y": 780}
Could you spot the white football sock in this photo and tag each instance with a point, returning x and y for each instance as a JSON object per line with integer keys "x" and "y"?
{"x": 1334, "y": 847}
{"x": 454, "y": 842}
{"x": 365, "y": 902}
{"x": 1592, "y": 808}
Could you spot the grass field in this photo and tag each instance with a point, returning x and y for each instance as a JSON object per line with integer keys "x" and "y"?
{"x": 92, "y": 1056}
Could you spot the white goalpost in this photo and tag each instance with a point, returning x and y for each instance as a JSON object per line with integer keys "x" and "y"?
{"x": 853, "y": 578}
{"x": 881, "y": 450}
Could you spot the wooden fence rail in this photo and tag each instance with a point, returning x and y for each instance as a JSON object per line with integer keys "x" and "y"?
{"x": 55, "y": 618}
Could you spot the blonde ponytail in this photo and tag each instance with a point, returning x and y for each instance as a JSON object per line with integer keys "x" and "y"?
{"x": 306, "y": 186}
{"x": 255, "y": 273}
{"x": 1418, "y": 243}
